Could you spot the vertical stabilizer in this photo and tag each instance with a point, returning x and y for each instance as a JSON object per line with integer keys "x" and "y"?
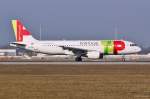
{"x": 21, "y": 33}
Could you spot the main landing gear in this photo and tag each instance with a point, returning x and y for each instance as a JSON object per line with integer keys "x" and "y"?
{"x": 78, "y": 59}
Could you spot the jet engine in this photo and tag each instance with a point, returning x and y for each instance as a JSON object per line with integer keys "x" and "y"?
{"x": 94, "y": 55}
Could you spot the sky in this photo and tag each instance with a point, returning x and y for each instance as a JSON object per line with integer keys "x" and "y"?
{"x": 78, "y": 19}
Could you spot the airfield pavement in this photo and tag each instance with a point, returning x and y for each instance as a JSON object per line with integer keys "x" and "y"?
{"x": 74, "y": 81}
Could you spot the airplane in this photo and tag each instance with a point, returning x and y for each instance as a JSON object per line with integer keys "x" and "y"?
{"x": 92, "y": 49}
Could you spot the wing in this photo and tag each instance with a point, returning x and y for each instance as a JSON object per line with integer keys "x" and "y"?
{"x": 83, "y": 52}
{"x": 76, "y": 51}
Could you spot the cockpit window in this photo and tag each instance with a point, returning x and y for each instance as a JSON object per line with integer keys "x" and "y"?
{"x": 133, "y": 44}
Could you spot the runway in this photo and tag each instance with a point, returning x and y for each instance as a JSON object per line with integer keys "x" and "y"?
{"x": 71, "y": 60}
{"x": 75, "y": 63}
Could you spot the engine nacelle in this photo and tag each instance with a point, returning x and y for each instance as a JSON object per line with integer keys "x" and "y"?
{"x": 94, "y": 55}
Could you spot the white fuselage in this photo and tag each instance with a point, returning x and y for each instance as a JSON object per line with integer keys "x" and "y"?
{"x": 55, "y": 47}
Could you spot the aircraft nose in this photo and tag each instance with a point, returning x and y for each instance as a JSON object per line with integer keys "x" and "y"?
{"x": 138, "y": 49}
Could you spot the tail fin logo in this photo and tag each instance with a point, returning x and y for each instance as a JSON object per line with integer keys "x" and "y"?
{"x": 19, "y": 30}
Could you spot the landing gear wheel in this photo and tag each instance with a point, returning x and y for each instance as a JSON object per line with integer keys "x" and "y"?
{"x": 78, "y": 59}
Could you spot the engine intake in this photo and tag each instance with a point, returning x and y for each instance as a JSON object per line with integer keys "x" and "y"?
{"x": 94, "y": 55}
